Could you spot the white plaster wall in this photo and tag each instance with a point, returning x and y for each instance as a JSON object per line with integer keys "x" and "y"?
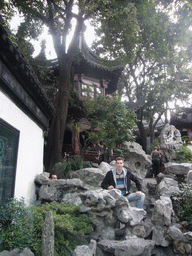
{"x": 30, "y": 150}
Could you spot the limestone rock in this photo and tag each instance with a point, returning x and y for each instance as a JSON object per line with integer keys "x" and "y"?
{"x": 17, "y": 252}
{"x": 162, "y": 212}
{"x": 48, "y": 235}
{"x": 84, "y": 250}
{"x": 137, "y": 160}
{"x": 133, "y": 246}
{"x": 177, "y": 169}
{"x": 170, "y": 141}
{"x": 175, "y": 234}
{"x": 159, "y": 236}
{"x": 105, "y": 167}
{"x": 167, "y": 187}
{"x": 56, "y": 189}
{"x": 42, "y": 179}
{"x": 90, "y": 176}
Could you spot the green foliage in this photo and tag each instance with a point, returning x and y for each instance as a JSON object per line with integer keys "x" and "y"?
{"x": 21, "y": 226}
{"x": 121, "y": 151}
{"x": 18, "y": 227}
{"x": 69, "y": 224}
{"x": 71, "y": 165}
{"x": 184, "y": 154}
{"x": 110, "y": 120}
{"x": 182, "y": 204}
{"x": 154, "y": 144}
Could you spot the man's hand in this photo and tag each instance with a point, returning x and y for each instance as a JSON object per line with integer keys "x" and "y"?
{"x": 137, "y": 193}
{"x": 110, "y": 187}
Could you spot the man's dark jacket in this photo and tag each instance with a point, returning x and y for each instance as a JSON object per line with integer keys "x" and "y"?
{"x": 110, "y": 179}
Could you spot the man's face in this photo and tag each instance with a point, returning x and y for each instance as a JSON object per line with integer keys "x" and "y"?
{"x": 119, "y": 164}
{"x": 54, "y": 177}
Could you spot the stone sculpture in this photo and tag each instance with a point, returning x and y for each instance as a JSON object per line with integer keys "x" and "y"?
{"x": 170, "y": 141}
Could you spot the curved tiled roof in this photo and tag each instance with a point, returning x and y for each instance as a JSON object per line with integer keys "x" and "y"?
{"x": 14, "y": 60}
{"x": 95, "y": 60}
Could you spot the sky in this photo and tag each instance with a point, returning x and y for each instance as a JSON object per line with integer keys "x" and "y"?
{"x": 50, "y": 53}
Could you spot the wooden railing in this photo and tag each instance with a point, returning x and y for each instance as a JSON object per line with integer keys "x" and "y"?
{"x": 97, "y": 157}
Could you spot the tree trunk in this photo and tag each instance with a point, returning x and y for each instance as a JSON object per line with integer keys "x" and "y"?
{"x": 141, "y": 128}
{"x": 151, "y": 128}
{"x": 143, "y": 135}
{"x": 56, "y": 133}
{"x": 53, "y": 153}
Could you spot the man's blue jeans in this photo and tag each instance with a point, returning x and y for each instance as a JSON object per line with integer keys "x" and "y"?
{"x": 139, "y": 199}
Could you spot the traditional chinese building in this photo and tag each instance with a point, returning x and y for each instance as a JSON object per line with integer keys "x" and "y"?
{"x": 183, "y": 122}
{"x": 91, "y": 76}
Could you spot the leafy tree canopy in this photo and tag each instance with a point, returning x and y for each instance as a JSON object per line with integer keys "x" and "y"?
{"x": 110, "y": 120}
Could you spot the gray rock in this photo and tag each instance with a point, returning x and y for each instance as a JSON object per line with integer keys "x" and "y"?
{"x": 85, "y": 250}
{"x": 72, "y": 199}
{"x": 42, "y": 178}
{"x": 137, "y": 215}
{"x": 137, "y": 160}
{"x": 55, "y": 190}
{"x": 105, "y": 167}
{"x": 175, "y": 234}
{"x": 177, "y": 169}
{"x": 159, "y": 236}
{"x": 167, "y": 187}
{"x": 162, "y": 212}
{"x": 48, "y": 235}
{"x": 139, "y": 231}
{"x": 170, "y": 141}
{"x": 17, "y": 252}
{"x": 90, "y": 176}
{"x": 133, "y": 246}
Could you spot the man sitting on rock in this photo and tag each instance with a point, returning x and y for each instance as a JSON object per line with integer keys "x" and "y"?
{"x": 120, "y": 178}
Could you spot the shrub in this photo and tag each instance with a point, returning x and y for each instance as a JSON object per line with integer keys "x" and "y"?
{"x": 184, "y": 154}
{"x": 17, "y": 227}
{"x": 71, "y": 165}
{"x": 182, "y": 204}
{"x": 21, "y": 226}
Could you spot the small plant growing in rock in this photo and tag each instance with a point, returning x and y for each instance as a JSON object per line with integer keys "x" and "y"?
{"x": 182, "y": 204}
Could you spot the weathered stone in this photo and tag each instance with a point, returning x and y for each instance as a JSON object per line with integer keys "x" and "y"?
{"x": 98, "y": 199}
{"x": 123, "y": 213}
{"x": 17, "y": 252}
{"x": 182, "y": 248}
{"x": 42, "y": 178}
{"x": 167, "y": 187}
{"x": 56, "y": 189}
{"x": 72, "y": 199}
{"x": 133, "y": 246}
{"x": 90, "y": 176}
{"x": 159, "y": 236}
{"x": 189, "y": 176}
{"x": 170, "y": 141}
{"x": 162, "y": 212}
{"x": 137, "y": 215}
{"x": 105, "y": 167}
{"x": 48, "y": 235}
{"x": 137, "y": 160}
{"x": 175, "y": 234}
{"x": 177, "y": 169}
{"x": 84, "y": 250}
{"x": 188, "y": 236}
{"x": 139, "y": 231}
